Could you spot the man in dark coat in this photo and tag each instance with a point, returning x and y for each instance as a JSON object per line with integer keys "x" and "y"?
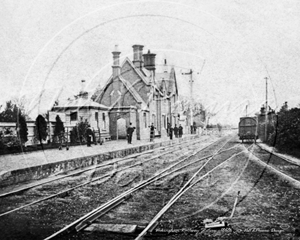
{"x": 152, "y": 131}
{"x": 180, "y": 130}
{"x": 176, "y": 131}
{"x": 89, "y": 135}
{"x": 130, "y": 131}
{"x": 171, "y": 132}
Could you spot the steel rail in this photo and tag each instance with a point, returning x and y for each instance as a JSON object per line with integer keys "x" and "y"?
{"x": 277, "y": 155}
{"x": 93, "y": 168}
{"x": 146, "y": 183}
{"x": 94, "y": 214}
{"x": 187, "y": 186}
{"x": 98, "y": 214}
{"x": 294, "y": 182}
{"x": 83, "y": 184}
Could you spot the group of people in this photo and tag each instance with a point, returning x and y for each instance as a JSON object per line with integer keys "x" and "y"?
{"x": 178, "y": 131}
{"x": 131, "y": 129}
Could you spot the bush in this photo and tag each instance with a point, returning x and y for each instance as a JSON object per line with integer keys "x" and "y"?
{"x": 9, "y": 142}
{"x": 58, "y": 130}
{"x": 40, "y": 130}
{"x": 23, "y": 130}
{"x": 286, "y": 136}
{"x": 77, "y": 134}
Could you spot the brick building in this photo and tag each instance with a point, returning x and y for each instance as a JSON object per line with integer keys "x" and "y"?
{"x": 137, "y": 93}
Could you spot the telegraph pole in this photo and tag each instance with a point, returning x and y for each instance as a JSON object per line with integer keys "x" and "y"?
{"x": 191, "y": 94}
{"x": 191, "y": 89}
{"x": 266, "y": 111}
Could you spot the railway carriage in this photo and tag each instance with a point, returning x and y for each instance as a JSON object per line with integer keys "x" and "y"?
{"x": 248, "y": 129}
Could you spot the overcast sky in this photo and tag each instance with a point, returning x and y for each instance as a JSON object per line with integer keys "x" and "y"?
{"x": 49, "y": 45}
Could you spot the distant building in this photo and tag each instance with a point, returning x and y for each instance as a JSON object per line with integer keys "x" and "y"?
{"x": 82, "y": 109}
{"x": 137, "y": 93}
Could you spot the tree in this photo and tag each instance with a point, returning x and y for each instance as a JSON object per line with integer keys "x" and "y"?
{"x": 40, "y": 131}
{"x": 284, "y": 107}
{"x": 78, "y": 132}
{"x": 22, "y": 129}
{"x": 10, "y": 113}
{"x": 286, "y": 136}
{"x": 187, "y": 106}
{"x": 59, "y": 127}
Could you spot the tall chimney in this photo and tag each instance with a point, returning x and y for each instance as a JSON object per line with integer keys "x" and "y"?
{"x": 165, "y": 66}
{"x": 138, "y": 56}
{"x": 149, "y": 61}
{"x": 82, "y": 87}
{"x": 82, "y": 92}
{"x": 116, "y": 65}
{"x": 149, "y": 64}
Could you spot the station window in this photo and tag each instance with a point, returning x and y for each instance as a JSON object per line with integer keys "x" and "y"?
{"x": 73, "y": 116}
{"x": 96, "y": 116}
{"x": 145, "y": 119}
{"x": 104, "y": 121}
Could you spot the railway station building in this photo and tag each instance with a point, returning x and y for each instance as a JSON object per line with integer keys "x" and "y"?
{"x": 136, "y": 92}
{"x": 83, "y": 109}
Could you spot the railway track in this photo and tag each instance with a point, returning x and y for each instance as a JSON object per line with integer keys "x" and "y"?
{"x": 189, "y": 163}
{"x": 17, "y": 190}
{"x": 175, "y": 191}
{"x": 131, "y": 160}
{"x": 279, "y": 165}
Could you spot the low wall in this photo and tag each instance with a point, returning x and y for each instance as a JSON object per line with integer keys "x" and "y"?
{"x": 46, "y": 170}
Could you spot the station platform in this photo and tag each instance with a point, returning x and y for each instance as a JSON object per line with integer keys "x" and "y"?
{"x": 26, "y": 166}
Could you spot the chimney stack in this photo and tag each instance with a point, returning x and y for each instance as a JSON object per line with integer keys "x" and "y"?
{"x": 82, "y": 87}
{"x": 138, "y": 56}
{"x": 82, "y": 92}
{"x": 149, "y": 64}
{"x": 165, "y": 66}
{"x": 149, "y": 61}
{"x": 116, "y": 65}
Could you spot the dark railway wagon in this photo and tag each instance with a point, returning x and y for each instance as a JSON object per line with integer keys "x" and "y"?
{"x": 248, "y": 129}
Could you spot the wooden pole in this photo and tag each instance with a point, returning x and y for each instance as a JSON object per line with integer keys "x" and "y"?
{"x": 266, "y": 111}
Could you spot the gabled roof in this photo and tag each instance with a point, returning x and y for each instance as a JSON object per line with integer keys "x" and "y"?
{"x": 167, "y": 81}
{"x": 81, "y": 103}
{"x": 144, "y": 76}
{"x": 163, "y": 81}
{"x": 101, "y": 92}
{"x": 172, "y": 88}
{"x": 131, "y": 89}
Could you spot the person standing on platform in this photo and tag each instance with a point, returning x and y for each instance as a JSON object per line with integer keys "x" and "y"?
{"x": 152, "y": 132}
{"x": 180, "y": 131}
{"x": 176, "y": 131}
{"x": 171, "y": 132}
{"x": 89, "y": 136}
{"x": 130, "y": 131}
